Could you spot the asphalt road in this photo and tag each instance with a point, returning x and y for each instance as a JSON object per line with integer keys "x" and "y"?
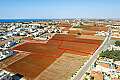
{"x": 103, "y": 46}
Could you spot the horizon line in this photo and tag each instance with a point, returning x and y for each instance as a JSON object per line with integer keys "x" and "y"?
{"x": 56, "y": 18}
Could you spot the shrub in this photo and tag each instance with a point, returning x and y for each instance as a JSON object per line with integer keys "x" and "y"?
{"x": 114, "y": 54}
{"x": 117, "y": 43}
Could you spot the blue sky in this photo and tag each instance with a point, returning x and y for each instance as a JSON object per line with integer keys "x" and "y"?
{"x": 60, "y": 9}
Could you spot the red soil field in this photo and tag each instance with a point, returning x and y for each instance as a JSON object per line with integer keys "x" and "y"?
{"x": 59, "y": 43}
{"x": 79, "y": 47}
{"x": 71, "y": 38}
{"x": 49, "y": 49}
{"x": 64, "y": 25}
{"x": 66, "y": 28}
{"x": 97, "y": 28}
{"x": 31, "y": 66}
{"x": 77, "y": 53}
{"x": 82, "y": 32}
{"x": 88, "y": 33}
{"x": 43, "y": 55}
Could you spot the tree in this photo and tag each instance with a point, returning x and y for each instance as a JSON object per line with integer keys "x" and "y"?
{"x": 92, "y": 78}
{"x": 77, "y": 26}
{"x": 78, "y": 33}
{"x": 117, "y": 43}
{"x": 113, "y": 54}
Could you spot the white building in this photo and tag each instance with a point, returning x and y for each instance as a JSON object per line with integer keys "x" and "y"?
{"x": 113, "y": 47}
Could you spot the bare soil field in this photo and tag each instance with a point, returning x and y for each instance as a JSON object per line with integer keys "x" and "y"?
{"x": 91, "y": 37}
{"x": 41, "y": 56}
{"x": 96, "y": 28}
{"x": 77, "y": 52}
{"x": 79, "y": 47}
{"x": 73, "y": 38}
{"x": 5, "y": 63}
{"x": 63, "y": 68}
{"x": 31, "y": 65}
{"x": 74, "y": 31}
{"x": 49, "y": 49}
{"x": 66, "y": 26}
{"x": 115, "y": 38}
{"x": 88, "y": 32}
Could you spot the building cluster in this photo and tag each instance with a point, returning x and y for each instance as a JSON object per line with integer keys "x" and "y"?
{"x": 34, "y": 30}
{"x": 40, "y": 31}
{"x": 9, "y": 32}
{"x": 102, "y": 33}
{"x": 104, "y": 68}
{"x": 5, "y": 50}
{"x": 5, "y": 75}
{"x": 5, "y": 54}
{"x": 113, "y": 47}
{"x": 116, "y": 31}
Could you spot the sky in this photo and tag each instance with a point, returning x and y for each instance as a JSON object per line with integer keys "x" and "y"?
{"x": 12, "y": 9}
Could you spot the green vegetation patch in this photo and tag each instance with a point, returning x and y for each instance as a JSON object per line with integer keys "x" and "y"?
{"x": 113, "y": 54}
{"x": 78, "y": 26}
{"x": 117, "y": 43}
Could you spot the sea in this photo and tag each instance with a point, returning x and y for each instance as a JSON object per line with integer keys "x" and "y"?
{"x": 21, "y": 20}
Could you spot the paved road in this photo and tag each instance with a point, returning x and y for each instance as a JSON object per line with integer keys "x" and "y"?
{"x": 103, "y": 46}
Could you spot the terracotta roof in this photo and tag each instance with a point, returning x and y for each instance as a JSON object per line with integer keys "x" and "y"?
{"x": 105, "y": 65}
{"x": 97, "y": 75}
{"x": 118, "y": 69}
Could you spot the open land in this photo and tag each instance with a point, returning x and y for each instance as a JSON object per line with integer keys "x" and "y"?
{"x": 52, "y": 57}
{"x": 57, "y": 54}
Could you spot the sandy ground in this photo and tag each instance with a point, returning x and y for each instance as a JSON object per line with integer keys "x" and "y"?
{"x": 96, "y": 28}
{"x": 63, "y": 68}
{"x": 91, "y": 37}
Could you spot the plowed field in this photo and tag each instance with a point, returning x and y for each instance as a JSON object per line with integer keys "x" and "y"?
{"x": 41, "y": 56}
